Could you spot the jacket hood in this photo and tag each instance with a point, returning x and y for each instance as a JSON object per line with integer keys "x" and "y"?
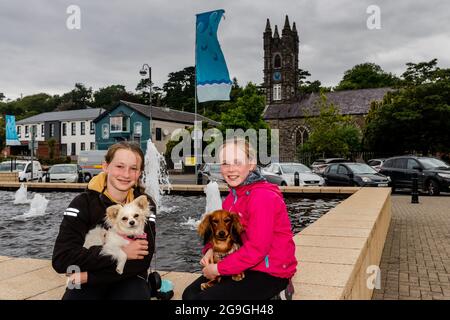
{"x": 255, "y": 180}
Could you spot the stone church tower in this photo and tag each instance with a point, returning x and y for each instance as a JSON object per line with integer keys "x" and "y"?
{"x": 281, "y": 64}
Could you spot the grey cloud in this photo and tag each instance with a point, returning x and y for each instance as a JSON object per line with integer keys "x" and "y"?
{"x": 39, "y": 54}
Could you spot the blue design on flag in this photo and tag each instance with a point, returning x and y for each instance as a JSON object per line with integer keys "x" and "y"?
{"x": 212, "y": 78}
{"x": 11, "y": 134}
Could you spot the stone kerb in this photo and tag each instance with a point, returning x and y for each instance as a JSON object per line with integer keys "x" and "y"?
{"x": 336, "y": 251}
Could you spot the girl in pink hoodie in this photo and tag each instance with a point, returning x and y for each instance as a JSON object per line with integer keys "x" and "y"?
{"x": 267, "y": 255}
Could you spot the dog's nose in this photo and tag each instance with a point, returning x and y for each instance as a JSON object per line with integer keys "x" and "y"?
{"x": 132, "y": 223}
{"x": 221, "y": 234}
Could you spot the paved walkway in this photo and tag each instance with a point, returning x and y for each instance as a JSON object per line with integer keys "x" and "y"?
{"x": 415, "y": 264}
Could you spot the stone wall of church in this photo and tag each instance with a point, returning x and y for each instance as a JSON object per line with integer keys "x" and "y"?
{"x": 288, "y": 129}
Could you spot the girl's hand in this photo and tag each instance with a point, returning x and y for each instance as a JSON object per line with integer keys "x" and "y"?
{"x": 136, "y": 250}
{"x": 207, "y": 258}
{"x": 81, "y": 277}
{"x": 210, "y": 271}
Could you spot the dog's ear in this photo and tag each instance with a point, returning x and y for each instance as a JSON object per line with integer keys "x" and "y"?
{"x": 111, "y": 212}
{"x": 236, "y": 229}
{"x": 204, "y": 229}
{"x": 142, "y": 202}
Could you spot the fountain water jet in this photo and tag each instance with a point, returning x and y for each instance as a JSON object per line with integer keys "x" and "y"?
{"x": 37, "y": 206}
{"x": 20, "y": 196}
{"x": 156, "y": 175}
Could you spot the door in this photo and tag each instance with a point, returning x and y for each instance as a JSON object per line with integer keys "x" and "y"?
{"x": 410, "y": 171}
{"x": 398, "y": 172}
{"x": 342, "y": 176}
{"x": 330, "y": 175}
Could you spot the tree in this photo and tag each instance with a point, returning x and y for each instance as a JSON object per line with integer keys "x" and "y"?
{"x": 109, "y": 96}
{"x": 419, "y": 73}
{"x": 414, "y": 118}
{"x": 246, "y": 112}
{"x": 2, "y": 96}
{"x": 78, "y": 98}
{"x": 306, "y": 86}
{"x": 180, "y": 90}
{"x": 366, "y": 75}
{"x": 332, "y": 134}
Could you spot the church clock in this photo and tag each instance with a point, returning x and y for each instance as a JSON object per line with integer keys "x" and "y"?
{"x": 277, "y": 76}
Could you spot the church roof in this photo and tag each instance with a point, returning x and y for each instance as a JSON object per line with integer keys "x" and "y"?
{"x": 349, "y": 102}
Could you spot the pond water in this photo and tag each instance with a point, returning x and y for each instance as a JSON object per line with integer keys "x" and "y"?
{"x": 178, "y": 246}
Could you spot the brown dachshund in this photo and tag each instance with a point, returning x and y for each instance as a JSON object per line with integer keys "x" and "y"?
{"x": 223, "y": 230}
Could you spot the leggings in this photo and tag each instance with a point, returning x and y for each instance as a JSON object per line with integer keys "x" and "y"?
{"x": 135, "y": 288}
{"x": 255, "y": 286}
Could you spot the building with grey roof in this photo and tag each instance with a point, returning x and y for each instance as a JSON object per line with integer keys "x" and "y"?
{"x": 286, "y": 108}
{"x": 72, "y": 130}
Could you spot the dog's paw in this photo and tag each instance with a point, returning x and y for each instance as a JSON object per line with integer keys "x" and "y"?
{"x": 119, "y": 271}
{"x": 238, "y": 277}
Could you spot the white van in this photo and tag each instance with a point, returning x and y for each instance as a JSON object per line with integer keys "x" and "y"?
{"x": 23, "y": 167}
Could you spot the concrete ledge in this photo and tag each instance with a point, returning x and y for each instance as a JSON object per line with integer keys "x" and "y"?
{"x": 335, "y": 252}
{"x": 333, "y": 255}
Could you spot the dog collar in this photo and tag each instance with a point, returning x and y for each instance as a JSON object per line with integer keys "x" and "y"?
{"x": 133, "y": 238}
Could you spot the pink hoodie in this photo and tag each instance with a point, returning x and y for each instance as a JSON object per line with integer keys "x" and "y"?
{"x": 267, "y": 238}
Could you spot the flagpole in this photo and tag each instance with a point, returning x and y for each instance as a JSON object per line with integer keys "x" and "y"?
{"x": 195, "y": 102}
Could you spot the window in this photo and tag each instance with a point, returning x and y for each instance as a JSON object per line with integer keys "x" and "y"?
{"x": 332, "y": 168}
{"x": 42, "y": 130}
{"x": 74, "y": 128}
{"x": 92, "y": 127}
{"x": 92, "y": 145}
{"x": 82, "y": 146}
{"x": 277, "y": 92}
{"x": 342, "y": 170}
{"x": 82, "y": 128}
{"x": 138, "y": 128}
{"x": 35, "y": 130}
{"x": 116, "y": 124}
{"x": 26, "y": 132}
{"x": 277, "y": 61}
{"x": 411, "y": 164}
{"x": 52, "y": 129}
{"x": 19, "y": 131}
{"x": 64, "y": 129}
{"x": 400, "y": 163}
{"x": 158, "y": 134}
{"x": 73, "y": 148}
{"x": 105, "y": 131}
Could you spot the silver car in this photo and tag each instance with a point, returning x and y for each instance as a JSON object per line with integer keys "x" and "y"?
{"x": 287, "y": 171}
{"x": 64, "y": 173}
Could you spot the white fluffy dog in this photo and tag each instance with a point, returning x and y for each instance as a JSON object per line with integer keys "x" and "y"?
{"x": 126, "y": 224}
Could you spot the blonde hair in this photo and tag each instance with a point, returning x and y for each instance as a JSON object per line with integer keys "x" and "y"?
{"x": 244, "y": 145}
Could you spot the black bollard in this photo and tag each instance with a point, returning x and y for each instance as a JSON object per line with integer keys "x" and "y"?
{"x": 415, "y": 188}
{"x": 296, "y": 179}
{"x": 199, "y": 178}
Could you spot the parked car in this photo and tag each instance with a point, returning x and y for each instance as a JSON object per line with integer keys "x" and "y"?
{"x": 433, "y": 174}
{"x": 91, "y": 162}
{"x": 23, "y": 167}
{"x": 65, "y": 173}
{"x": 212, "y": 172}
{"x": 287, "y": 170}
{"x": 354, "y": 174}
{"x": 320, "y": 165}
{"x": 376, "y": 163}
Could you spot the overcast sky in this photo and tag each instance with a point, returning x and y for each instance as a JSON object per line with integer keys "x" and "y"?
{"x": 38, "y": 53}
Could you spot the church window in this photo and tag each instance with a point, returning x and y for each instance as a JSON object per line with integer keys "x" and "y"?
{"x": 277, "y": 61}
{"x": 277, "y": 92}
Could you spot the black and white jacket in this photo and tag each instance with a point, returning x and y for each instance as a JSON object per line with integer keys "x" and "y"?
{"x": 85, "y": 212}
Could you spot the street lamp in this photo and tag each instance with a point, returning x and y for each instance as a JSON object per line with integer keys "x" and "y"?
{"x": 144, "y": 72}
